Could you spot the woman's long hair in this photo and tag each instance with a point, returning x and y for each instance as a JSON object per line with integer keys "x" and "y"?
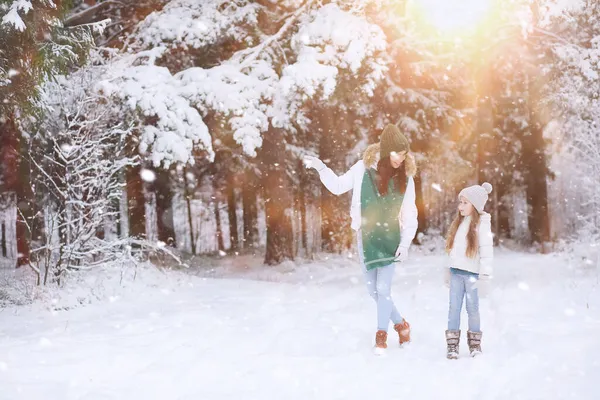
{"x": 472, "y": 238}
{"x": 385, "y": 171}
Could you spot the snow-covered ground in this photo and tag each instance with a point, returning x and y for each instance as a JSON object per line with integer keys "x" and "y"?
{"x": 243, "y": 331}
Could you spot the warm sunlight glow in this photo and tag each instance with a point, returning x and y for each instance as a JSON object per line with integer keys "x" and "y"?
{"x": 455, "y": 17}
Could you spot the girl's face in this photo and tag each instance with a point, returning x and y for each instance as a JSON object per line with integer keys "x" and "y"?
{"x": 396, "y": 159}
{"x": 465, "y": 207}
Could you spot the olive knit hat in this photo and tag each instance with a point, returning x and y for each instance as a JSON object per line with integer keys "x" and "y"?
{"x": 392, "y": 140}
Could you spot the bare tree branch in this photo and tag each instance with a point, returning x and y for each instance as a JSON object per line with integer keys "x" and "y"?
{"x": 87, "y": 16}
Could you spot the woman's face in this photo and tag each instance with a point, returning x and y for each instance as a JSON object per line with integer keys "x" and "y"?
{"x": 465, "y": 207}
{"x": 396, "y": 159}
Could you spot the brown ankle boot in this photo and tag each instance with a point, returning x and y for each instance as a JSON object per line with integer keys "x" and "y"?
{"x": 453, "y": 341}
{"x": 474, "y": 341}
{"x": 381, "y": 340}
{"x": 403, "y": 330}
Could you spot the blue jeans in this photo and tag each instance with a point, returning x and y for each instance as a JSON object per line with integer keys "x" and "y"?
{"x": 462, "y": 284}
{"x": 379, "y": 286}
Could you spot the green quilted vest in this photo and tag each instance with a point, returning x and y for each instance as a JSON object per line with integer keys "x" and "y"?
{"x": 380, "y": 228}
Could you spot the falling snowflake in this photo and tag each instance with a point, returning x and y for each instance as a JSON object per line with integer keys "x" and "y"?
{"x": 147, "y": 175}
{"x": 436, "y": 186}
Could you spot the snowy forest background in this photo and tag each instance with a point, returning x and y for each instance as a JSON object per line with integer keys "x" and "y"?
{"x": 164, "y": 130}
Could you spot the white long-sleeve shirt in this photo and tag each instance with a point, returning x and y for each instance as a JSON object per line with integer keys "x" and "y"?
{"x": 352, "y": 180}
{"x": 482, "y": 262}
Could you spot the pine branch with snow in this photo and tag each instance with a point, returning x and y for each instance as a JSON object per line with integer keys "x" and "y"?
{"x": 34, "y": 47}
{"x": 171, "y": 127}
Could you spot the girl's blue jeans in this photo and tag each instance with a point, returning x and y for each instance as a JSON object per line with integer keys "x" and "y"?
{"x": 462, "y": 286}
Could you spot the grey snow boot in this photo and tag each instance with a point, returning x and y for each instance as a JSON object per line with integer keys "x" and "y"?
{"x": 453, "y": 341}
{"x": 474, "y": 340}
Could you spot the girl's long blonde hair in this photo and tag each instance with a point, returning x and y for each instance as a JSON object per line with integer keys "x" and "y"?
{"x": 472, "y": 238}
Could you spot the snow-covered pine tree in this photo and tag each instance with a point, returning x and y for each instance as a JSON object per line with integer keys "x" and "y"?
{"x": 334, "y": 120}
{"x": 211, "y": 32}
{"x": 573, "y": 95}
{"x": 254, "y": 85}
{"x": 34, "y": 46}
{"x": 509, "y": 149}
{"x": 500, "y": 123}
{"x": 424, "y": 93}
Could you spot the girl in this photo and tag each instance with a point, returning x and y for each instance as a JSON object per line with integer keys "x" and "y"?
{"x": 470, "y": 247}
{"x": 384, "y": 215}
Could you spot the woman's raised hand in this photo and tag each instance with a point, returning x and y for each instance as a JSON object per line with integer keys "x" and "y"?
{"x": 313, "y": 162}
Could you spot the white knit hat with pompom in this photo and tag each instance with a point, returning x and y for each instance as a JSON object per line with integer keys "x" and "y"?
{"x": 477, "y": 195}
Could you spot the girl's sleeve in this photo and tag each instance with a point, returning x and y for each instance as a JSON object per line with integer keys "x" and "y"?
{"x": 408, "y": 215}
{"x": 486, "y": 245}
{"x": 338, "y": 184}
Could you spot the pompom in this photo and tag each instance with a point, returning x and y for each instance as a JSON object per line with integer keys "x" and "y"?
{"x": 487, "y": 187}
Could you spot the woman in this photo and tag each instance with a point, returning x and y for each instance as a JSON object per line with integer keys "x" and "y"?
{"x": 384, "y": 215}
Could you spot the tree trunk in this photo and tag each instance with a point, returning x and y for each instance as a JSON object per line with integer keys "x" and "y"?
{"x": 302, "y": 188}
{"x": 188, "y": 202}
{"x": 25, "y": 208}
{"x": 537, "y": 188}
{"x": 117, "y": 208}
{"x": 335, "y": 229}
{"x": 136, "y": 200}
{"x": 278, "y": 197}
{"x": 9, "y": 156}
{"x": 220, "y": 244}
{"x": 534, "y": 157}
{"x": 327, "y": 153}
{"x": 503, "y": 212}
{"x": 232, "y": 213}
{"x": 250, "y": 210}
{"x": 165, "y": 225}
{"x": 422, "y": 216}
{"x": 485, "y": 127}
{"x": 63, "y": 238}
{"x": 23, "y": 232}
{"x": 3, "y": 240}
{"x": 15, "y": 178}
